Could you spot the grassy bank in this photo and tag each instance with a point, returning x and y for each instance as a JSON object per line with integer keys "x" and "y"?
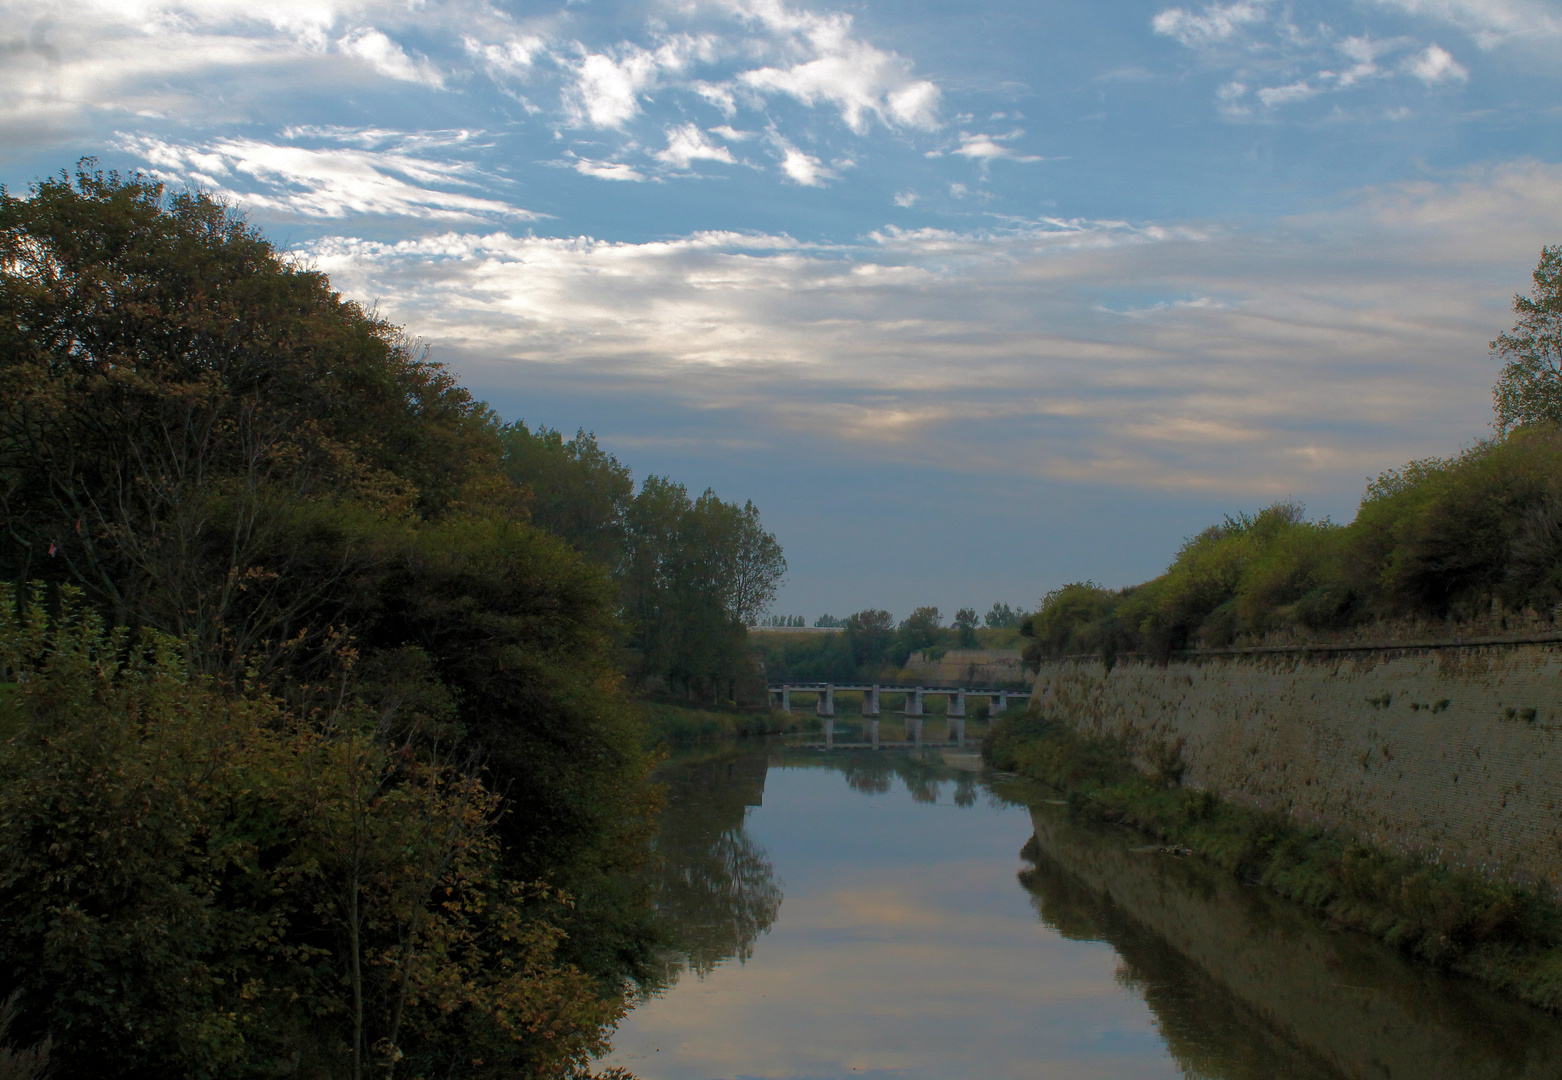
{"x": 1505, "y": 935}
{"x": 676, "y": 726}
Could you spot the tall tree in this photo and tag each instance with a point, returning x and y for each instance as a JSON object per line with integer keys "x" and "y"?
{"x": 1529, "y": 390}
{"x": 965, "y": 627}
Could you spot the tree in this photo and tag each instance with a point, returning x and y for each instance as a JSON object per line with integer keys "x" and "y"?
{"x": 1001, "y": 617}
{"x": 965, "y": 627}
{"x": 175, "y": 392}
{"x": 1529, "y": 390}
{"x": 196, "y": 882}
{"x": 576, "y": 489}
{"x": 922, "y": 629}
{"x": 870, "y": 633}
{"x": 698, "y": 573}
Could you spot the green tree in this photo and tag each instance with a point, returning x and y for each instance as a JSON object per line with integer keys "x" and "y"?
{"x": 922, "y": 629}
{"x": 698, "y": 573}
{"x": 576, "y": 490}
{"x": 965, "y": 627}
{"x": 1001, "y": 617}
{"x": 870, "y": 634}
{"x": 197, "y": 882}
{"x": 1529, "y": 390}
{"x": 174, "y": 390}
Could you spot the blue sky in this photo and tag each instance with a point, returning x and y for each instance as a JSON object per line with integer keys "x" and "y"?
{"x": 973, "y": 299}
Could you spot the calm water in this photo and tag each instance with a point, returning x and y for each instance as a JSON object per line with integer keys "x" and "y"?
{"x": 885, "y": 915}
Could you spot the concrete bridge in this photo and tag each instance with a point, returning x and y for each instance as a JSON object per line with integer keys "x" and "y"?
{"x": 997, "y": 702}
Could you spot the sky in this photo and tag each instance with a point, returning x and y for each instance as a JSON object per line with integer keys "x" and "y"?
{"x": 971, "y": 299}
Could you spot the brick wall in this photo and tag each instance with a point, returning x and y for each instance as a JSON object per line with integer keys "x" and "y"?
{"x": 1455, "y": 752}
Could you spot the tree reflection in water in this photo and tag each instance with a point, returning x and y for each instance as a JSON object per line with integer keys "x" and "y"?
{"x": 715, "y": 891}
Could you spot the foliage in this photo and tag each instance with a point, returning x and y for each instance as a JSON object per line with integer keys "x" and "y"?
{"x": 1529, "y": 390}
{"x": 676, "y": 726}
{"x": 173, "y": 388}
{"x": 965, "y": 628}
{"x": 1501, "y": 932}
{"x": 577, "y": 490}
{"x": 698, "y": 572}
{"x": 1002, "y": 617}
{"x": 199, "y": 882}
{"x": 215, "y": 447}
{"x": 1440, "y": 538}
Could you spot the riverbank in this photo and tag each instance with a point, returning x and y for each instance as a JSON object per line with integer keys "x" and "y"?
{"x": 1504, "y": 934}
{"x": 677, "y": 726}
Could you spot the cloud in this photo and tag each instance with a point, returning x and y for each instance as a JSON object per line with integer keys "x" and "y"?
{"x": 515, "y": 56}
{"x": 1277, "y": 63}
{"x": 798, "y": 167}
{"x": 326, "y": 182}
{"x": 862, "y": 81}
{"x": 387, "y": 58}
{"x": 606, "y": 170}
{"x": 1435, "y": 65}
{"x": 1216, "y": 23}
{"x": 1491, "y": 23}
{"x": 687, "y": 144}
{"x": 1115, "y": 353}
{"x": 607, "y": 90}
{"x": 988, "y": 148}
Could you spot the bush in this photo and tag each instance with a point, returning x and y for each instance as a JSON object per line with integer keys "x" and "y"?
{"x": 201, "y": 882}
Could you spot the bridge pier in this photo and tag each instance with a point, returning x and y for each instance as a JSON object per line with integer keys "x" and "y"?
{"x": 829, "y": 733}
{"x": 914, "y": 702}
{"x": 870, "y": 702}
{"x": 826, "y": 705}
{"x": 786, "y": 699}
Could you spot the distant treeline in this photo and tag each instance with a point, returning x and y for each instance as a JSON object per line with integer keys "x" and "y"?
{"x": 871, "y": 644}
{"x": 1441, "y": 538}
{"x": 319, "y": 758}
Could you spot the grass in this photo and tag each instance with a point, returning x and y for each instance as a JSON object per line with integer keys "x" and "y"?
{"x": 1501, "y": 933}
{"x": 681, "y": 726}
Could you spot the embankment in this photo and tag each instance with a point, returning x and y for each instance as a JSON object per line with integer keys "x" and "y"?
{"x": 1451, "y": 750}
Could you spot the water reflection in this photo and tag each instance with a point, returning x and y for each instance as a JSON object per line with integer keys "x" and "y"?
{"x": 906, "y": 950}
{"x": 1246, "y": 986}
{"x": 716, "y": 891}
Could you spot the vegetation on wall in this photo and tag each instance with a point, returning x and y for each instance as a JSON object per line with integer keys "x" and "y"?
{"x": 1441, "y": 538}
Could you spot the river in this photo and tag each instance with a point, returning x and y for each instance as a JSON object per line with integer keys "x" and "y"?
{"x": 900, "y": 915}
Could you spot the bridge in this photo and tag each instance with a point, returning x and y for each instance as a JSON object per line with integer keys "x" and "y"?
{"x": 997, "y": 702}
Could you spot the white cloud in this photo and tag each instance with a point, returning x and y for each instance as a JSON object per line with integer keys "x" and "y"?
{"x": 1261, "y": 45}
{"x": 906, "y": 199}
{"x": 331, "y": 182}
{"x": 687, "y": 144}
{"x": 1492, "y": 22}
{"x": 513, "y": 57}
{"x": 1325, "y": 348}
{"x": 1285, "y": 95}
{"x": 607, "y": 90}
{"x": 799, "y": 167}
{"x": 988, "y": 148}
{"x": 1216, "y": 23}
{"x": 607, "y": 170}
{"x": 387, "y": 58}
{"x": 1435, "y": 65}
{"x": 834, "y": 67}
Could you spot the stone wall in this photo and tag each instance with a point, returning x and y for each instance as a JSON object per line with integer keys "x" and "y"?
{"x": 969, "y": 667}
{"x": 1454, "y": 752}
